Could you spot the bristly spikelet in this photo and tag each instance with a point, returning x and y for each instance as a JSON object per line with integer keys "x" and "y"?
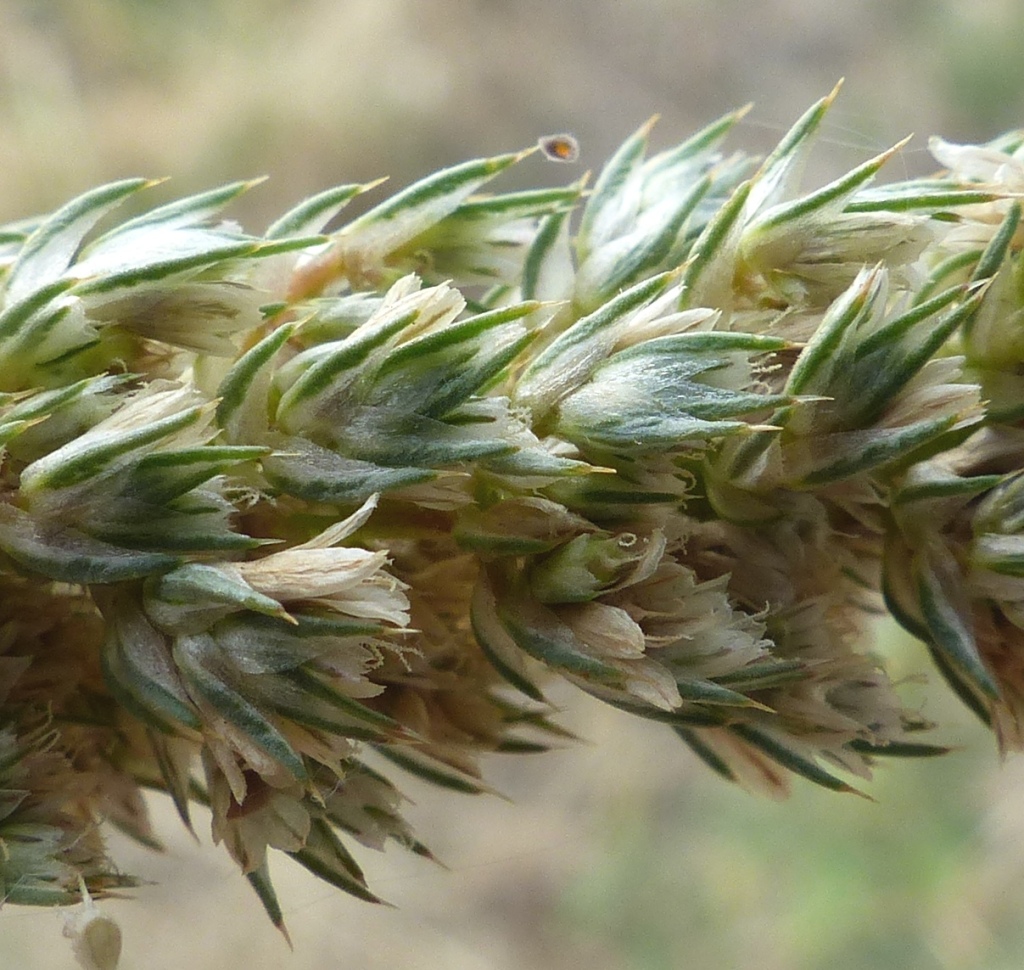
{"x": 282, "y": 512}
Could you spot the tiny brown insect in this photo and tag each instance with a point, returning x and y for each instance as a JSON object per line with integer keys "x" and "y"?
{"x": 559, "y": 148}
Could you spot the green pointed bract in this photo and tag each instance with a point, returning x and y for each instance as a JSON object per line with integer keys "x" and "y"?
{"x": 643, "y": 215}
{"x": 881, "y": 393}
{"x": 301, "y": 468}
{"x": 538, "y": 632}
{"x": 269, "y": 500}
{"x": 809, "y": 249}
{"x": 831, "y": 197}
{"x": 571, "y": 358}
{"x": 361, "y": 252}
{"x": 50, "y": 249}
{"x": 259, "y": 879}
{"x": 709, "y": 271}
{"x": 195, "y": 656}
{"x": 124, "y": 482}
{"x": 424, "y": 203}
{"x": 140, "y": 670}
{"x": 312, "y": 215}
{"x": 485, "y": 240}
{"x": 434, "y": 771}
{"x": 781, "y": 170}
{"x": 498, "y": 644}
{"x": 196, "y": 585}
{"x": 402, "y": 395}
{"x": 944, "y": 611}
{"x": 669, "y": 393}
{"x": 70, "y": 555}
{"x": 548, "y": 268}
{"x": 42, "y": 421}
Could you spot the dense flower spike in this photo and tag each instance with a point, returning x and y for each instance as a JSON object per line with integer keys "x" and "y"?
{"x": 283, "y": 512}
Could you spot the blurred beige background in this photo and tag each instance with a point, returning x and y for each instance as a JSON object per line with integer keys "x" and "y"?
{"x": 622, "y": 853}
{"x": 316, "y": 92}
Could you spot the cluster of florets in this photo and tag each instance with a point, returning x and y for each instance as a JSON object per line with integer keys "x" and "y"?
{"x": 280, "y": 511}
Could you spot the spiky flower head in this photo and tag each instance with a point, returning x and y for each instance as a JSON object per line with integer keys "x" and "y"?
{"x": 282, "y": 512}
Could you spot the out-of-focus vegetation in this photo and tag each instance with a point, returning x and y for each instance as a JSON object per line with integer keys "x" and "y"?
{"x": 926, "y": 876}
{"x": 624, "y": 853}
{"x": 314, "y": 92}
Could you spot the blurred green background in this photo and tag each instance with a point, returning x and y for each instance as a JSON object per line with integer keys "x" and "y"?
{"x": 622, "y": 854}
